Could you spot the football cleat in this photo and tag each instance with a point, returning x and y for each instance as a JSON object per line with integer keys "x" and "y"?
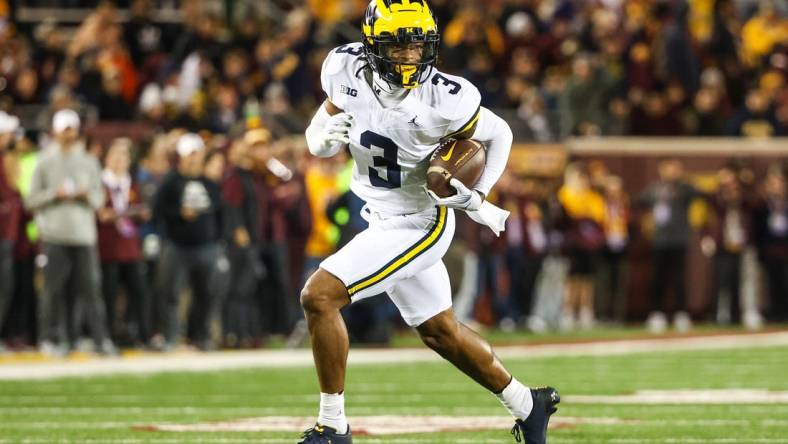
{"x": 325, "y": 435}
{"x": 533, "y": 429}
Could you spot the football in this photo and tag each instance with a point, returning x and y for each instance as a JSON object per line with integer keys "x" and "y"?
{"x": 462, "y": 159}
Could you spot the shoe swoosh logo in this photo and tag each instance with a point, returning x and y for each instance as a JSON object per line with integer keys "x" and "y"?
{"x": 447, "y": 156}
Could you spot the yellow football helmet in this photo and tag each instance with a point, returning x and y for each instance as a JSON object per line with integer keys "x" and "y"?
{"x": 401, "y": 40}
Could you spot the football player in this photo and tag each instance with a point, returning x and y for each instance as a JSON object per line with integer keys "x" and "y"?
{"x": 392, "y": 108}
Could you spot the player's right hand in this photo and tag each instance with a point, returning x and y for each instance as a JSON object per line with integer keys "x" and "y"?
{"x": 337, "y": 130}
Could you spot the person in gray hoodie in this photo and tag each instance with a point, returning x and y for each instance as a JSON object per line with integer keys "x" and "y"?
{"x": 65, "y": 193}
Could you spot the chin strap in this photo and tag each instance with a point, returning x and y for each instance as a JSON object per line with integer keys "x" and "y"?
{"x": 384, "y": 88}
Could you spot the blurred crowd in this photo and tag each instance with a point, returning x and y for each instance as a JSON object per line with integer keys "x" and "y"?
{"x": 568, "y": 255}
{"x": 196, "y": 212}
{"x": 552, "y": 68}
{"x": 205, "y": 240}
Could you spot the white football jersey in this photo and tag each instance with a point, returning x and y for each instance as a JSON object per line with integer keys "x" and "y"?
{"x": 391, "y": 146}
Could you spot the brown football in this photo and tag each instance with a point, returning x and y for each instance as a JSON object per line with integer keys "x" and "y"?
{"x": 462, "y": 159}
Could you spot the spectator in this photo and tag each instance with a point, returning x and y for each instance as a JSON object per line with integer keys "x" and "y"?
{"x": 203, "y": 38}
{"x": 278, "y": 193}
{"x": 187, "y": 208}
{"x": 65, "y": 193}
{"x": 153, "y": 167}
{"x": 214, "y": 165}
{"x": 770, "y": 221}
{"x": 619, "y": 111}
{"x": 10, "y": 210}
{"x": 225, "y": 113}
{"x": 26, "y": 88}
{"x": 211, "y": 311}
{"x": 654, "y": 117}
{"x": 710, "y": 119}
{"x": 669, "y": 200}
{"x": 241, "y": 314}
{"x": 762, "y": 32}
{"x": 726, "y": 241}
{"x": 119, "y": 246}
{"x": 322, "y": 187}
{"x": 143, "y": 35}
{"x": 723, "y": 42}
{"x": 470, "y": 29}
{"x": 111, "y": 104}
{"x": 24, "y": 320}
{"x": 583, "y": 103}
{"x": 757, "y": 119}
{"x": 584, "y": 209}
{"x": 611, "y": 303}
{"x": 526, "y": 238}
{"x": 681, "y": 61}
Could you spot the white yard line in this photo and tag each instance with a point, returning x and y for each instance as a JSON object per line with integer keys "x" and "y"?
{"x": 380, "y": 425}
{"x": 668, "y": 397}
{"x": 406, "y": 424}
{"x": 200, "y": 362}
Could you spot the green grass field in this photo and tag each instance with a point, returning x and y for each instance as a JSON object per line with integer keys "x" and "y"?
{"x": 107, "y": 409}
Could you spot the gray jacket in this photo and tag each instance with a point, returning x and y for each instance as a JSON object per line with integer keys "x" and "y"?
{"x": 66, "y": 222}
{"x": 672, "y": 228}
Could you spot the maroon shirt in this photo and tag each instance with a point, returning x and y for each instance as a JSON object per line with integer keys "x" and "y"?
{"x": 114, "y": 244}
{"x": 273, "y": 209}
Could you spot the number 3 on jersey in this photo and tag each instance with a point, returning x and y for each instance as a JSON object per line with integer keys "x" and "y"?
{"x": 393, "y": 177}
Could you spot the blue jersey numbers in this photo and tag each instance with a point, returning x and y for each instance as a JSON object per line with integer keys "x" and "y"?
{"x": 393, "y": 177}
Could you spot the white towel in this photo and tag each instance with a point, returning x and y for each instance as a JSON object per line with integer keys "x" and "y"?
{"x": 490, "y": 215}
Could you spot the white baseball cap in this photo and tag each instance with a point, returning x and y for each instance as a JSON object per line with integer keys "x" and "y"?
{"x": 189, "y": 143}
{"x": 8, "y": 123}
{"x": 63, "y": 119}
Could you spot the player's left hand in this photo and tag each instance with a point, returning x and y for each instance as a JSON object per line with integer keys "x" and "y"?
{"x": 465, "y": 199}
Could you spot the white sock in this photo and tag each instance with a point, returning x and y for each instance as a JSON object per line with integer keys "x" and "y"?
{"x": 517, "y": 399}
{"x": 332, "y": 411}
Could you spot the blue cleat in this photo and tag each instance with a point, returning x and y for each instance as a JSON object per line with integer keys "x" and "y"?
{"x": 534, "y": 428}
{"x": 325, "y": 435}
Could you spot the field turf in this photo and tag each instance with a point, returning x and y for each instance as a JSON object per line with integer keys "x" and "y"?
{"x": 107, "y": 409}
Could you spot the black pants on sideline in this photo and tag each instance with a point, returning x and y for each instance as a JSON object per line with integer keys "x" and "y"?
{"x": 6, "y": 278}
{"x": 136, "y": 320}
{"x": 72, "y": 279}
{"x": 777, "y": 276}
{"x": 241, "y": 311}
{"x": 21, "y": 322}
{"x": 727, "y": 276}
{"x": 523, "y": 271}
{"x": 178, "y": 265}
{"x": 670, "y": 272}
{"x": 610, "y": 298}
{"x": 279, "y": 303}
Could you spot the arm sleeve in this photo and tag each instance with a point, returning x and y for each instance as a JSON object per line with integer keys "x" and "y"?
{"x": 496, "y": 135}
{"x": 96, "y": 196}
{"x": 39, "y": 195}
{"x": 313, "y": 131}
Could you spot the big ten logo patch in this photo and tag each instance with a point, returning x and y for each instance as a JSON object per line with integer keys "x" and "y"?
{"x": 347, "y": 90}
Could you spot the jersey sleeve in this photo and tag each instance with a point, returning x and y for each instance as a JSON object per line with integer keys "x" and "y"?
{"x": 335, "y": 73}
{"x": 327, "y": 74}
{"x": 460, "y": 102}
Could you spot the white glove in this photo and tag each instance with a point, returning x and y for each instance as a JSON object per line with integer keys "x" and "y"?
{"x": 465, "y": 199}
{"x": 336, "y": 130}
{"x": 326, "y": 134}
